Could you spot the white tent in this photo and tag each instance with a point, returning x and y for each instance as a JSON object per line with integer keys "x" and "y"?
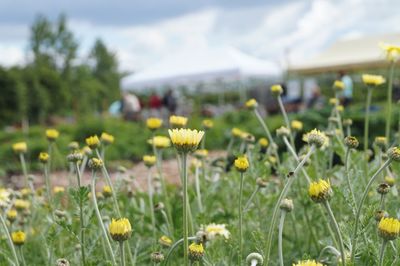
{"x": 191, "y": 67}
{"x": 348, "y": 55}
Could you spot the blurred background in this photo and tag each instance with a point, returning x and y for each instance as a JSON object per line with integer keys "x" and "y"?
{"x": 90, "y": 66}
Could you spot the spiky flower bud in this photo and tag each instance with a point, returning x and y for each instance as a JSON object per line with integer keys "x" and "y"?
{"x": 287, "y": 205}
{"x": 261, "y": 182}
{"x": 62, "y": 262}
{"x": 196, "y": 251}
{"x": 251, "y": 104}
{"x": 276, "y": 89}
{"x": 351, "y": 142}
{"x": 95, "y": 164}
{"x": 381, "y": 142}
{"x": 394, "y": 153}
{"x": 283, "y": 132}
{"x": 320, "y": 191}
{"x": 157, "y": 257}
{"x": 75, "y": 156}
{"x": 383, "y": 188}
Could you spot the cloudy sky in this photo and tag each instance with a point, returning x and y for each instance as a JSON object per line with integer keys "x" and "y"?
{"x": 143, "y": 32}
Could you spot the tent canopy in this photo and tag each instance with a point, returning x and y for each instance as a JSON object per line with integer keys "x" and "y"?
{"x": 348, "y": 55}
{"x": 191, "y": 67}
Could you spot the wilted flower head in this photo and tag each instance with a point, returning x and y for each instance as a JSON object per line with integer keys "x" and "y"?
{"x": 389, "y": 228}
{"x": 246, "y": 136}
{"x": 287, "y": 205}
{"x": 93, "y": 142}
{"x": 177, "y": 121}
{"x": 120, "y": 229}
{"x": 75, "y": 156}
{"x": 44, "y": 157}
{"x": 165, "y": 241}
{"x": 149, "y": 160}
{"x": 196, "y": 251}
{"x": 338, "y": 85}
{"x": 153, "y": 123}
{"x": 160, "y": 142}
{"x": 251, "y": 104}
{"x": 383, "y": 188}
{"x": 157, "y": 257}
{"x": 392, "y": 51}
{"x": 373, "y": 80}
{"x": 320, "y": 191}
{"x": 308, "y": 263}
{"x": 213, "y": 230}
{"x": 185, "y": 140}
{"x": 20, "y": 147}
{"x": 18, "y": 238}
{"x": 62, "y": 262}
{"x": 241, "y": 164}
{"x": 276, "y": 89}
{"x": 207, "y": 124}
{"x": 106, "y": 138}
{"x": 52, "y": 134}
{"x": 316, "y": 137}
{"x": 296, "y": 125}
{"x": 380, "y": 214}
{"x": 86, "y": 150}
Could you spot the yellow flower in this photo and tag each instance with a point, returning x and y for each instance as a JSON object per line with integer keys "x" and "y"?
{"x": 149, "y": 160}
{"x": 44, "y": 157}
{"x": 308, "y": 263}
{"x": 120, "y": 229}
{"x": 296, "y": 125}
{"x": 196, "y": 163}
{"x": 241, "y": 164}
{"x": 263, "y": 142}
{"x": 12, "y": 215}
{"x": 196, "y": 251}
{"x": 20, "y": 147}
{"x": 52, "y": 134}
{"x": 165, "y": 241}
{"x": 213, "y": 230}
{"x": 338, "y": 85}
{"x": 58, "y": 190}
{"x": 389, "y": 228}
{"x": 107, "y": 138}
{"x": 316, "y": 137}
{"x": 333, "y": 101}
{"x": 177, "y": 121}
{"x": 374, "y": 80}
{"x": 381, "y": 142}
{"x": 18, "y": 238}
{"x": 276, "y": 89}
{"x": 340, "y": 108}
{"x": 21, "y": 204}
{"x": 4, "y": 197}
{"x": 86, "y": 150}
{"x": 25, "y": 192}
{"x": 320, "y": 191}
{"x": 207, "y": 124}
{"x": 95, "y": 164}
{"x": 185, "y": 140}
{"x": 390, "y": 180}
{"x": 201, "y": 154}
{"x": 251, "y": 104}
{"x": 236, "y": 132}
{"x": 392, "y": 51}
{"x": 153, "y": 123}
{"x": 160, "y": 142}
{"x": 107, "y": 191}
{"x": 93, "y": 142}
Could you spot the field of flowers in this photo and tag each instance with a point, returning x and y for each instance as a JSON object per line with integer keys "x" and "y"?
{"x": 329, "y": 201}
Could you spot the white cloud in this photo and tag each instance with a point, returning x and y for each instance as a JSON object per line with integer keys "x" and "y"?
{"x": 11, "y": 55}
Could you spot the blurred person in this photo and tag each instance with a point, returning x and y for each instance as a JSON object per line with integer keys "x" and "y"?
{"x": 130, "y": 106}
{"x": 316, "y": 100}
{"x": 347, "y": 95}
{"x": 155, "y": 104}
{"x": 170, "y": 101}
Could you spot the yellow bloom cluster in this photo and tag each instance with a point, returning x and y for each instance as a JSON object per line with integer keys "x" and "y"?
{"x": 165, "y": 241}
{"x": 12, "y": 215}
{"x": 120, "y": 229}
{"x": 373, "y": 80}
{"x": 107, "y": 191}
{"x": 153, "y": 123}
{"x": 177, "y": 121}
{"x": 196, "y": 251}
{"x": 241, "y": 164}
{"x": 20, "y": 147}
{"x": 389, "y": 228}
{"x": 93, "y": 142}
{"x": 251, "y": 104}
{"x": 52, "y": 134}
{"x": 236, "y": 132}
{"x": 338, "y": 85}
{"x": 392, "y": 51}
{"x": 21, "y": 204}
{"x": 296, "y": 125}
{"x": 308, "y": 263}
{"x": 160, "y": 142}
{"x": 149, "y": 160}
{"x": 44, "y": 157}
{"x": 263, "y": 142}
{"x": 4, "y": 197}
{"x": 213, "y": 230}
{"x": 316, "y": 137}
{"x": 201, "y": 154}
{"x": 207, "y": 124}
{"x": 107, "y": 138}
{"x": 276, "y": 89}
{"x": 319, "y": 191}
{"x": 333, "y": 101}
{"x": 18, "y": 238}
{"x": 58, "y": 190}
{"x": 185, "y": 140}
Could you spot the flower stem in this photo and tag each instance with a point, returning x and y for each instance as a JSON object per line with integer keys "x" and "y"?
{"x": 338, "y": 234}
{"x": 81, "y": 217}
{"x": 281, "y": 223}
{"x": 185, "y": 211}
{"x": 286, "y": 118}
{"x": 389, "y": 102}
{"x": 198, "y": 191}
{"x": 264, "y": 126}
{"x": 247, "y": 205}
{"x": 25, "y": 171}
{"x": 346, "y": 167}
{"x": 10, "y": 243}
{"x": 21, "y": 253}
{"x": 360, "y": 204}
{"x": 278, "y": 202}
{"x": 175, "y": 245}
{"x": 366, "y": 126}
{"x": 121, "y": 250}
{"x": 150, "y": 194}
{"x": 240, "y": 219}
{"x": 48, "y": 185}
{"x": 100, "y": 220}
{"x": 382, "y": 252}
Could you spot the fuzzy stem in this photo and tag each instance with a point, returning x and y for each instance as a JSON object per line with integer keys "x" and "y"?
{"x": 198, "y": 191}
{"x": 81, "y": 217}
{"x": 382, "y": 252}
{"x": 10, "y": 243}
{"x": 278, "y": 203}
{"x": 366, "y": 126}
{"x": 286, "y": 118}
{"x": 240, "y": 219}
{"x": 150, "y": 194}
{"x": 338, "y": 234}
{"x": 281, "y": 223}
{"x": 361, "y": 203}
{"x": 247, "y": 205}
{"x": 346, "y": 167}
{"x": 264, "y": 126}
{"x": 100, "y": 220}
{"x": 185, "y": 211}
{"x": 21, "y": 253}
{"x": 389, "y": 102}
{"x": 121, "y": 250}
{"x": 175, "y": 245}
{"x": 25, "y": 171}
{"x": 48, "y": 185}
